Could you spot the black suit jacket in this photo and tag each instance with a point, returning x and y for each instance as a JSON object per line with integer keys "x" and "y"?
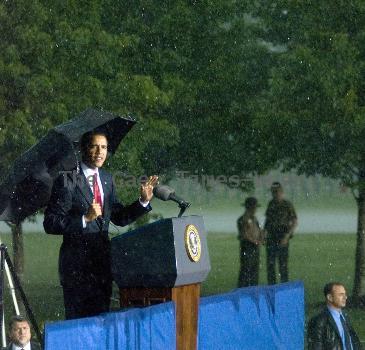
{"x": 85, "y": 252}
{"x": 323, "y": 333}
{"x": 33, "y": 346}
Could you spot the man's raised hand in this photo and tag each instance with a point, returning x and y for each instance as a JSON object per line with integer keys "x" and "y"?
{"x": 147, "y": 188}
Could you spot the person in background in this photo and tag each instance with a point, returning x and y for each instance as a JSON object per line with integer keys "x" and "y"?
{"x": 20, "y": 336}
{"x": 331, "y": 329}
{"x": 281, "y": 220}
{"x": 251, "y": 237}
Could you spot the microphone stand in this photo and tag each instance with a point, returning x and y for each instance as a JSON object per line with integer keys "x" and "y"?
{"x": 183, "y": 206}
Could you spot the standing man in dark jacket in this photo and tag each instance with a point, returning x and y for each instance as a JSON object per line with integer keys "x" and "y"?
{"x": 281, "y": 220}
{"x": 81, "y": 206}
{"x": 331, "y": 329}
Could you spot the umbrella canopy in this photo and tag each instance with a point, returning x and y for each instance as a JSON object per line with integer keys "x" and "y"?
{"x": 28, "y": 185}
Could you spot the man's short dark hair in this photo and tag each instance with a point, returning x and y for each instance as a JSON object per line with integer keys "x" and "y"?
{"x": 251, "y": 202}
{"x": 86, "y": 139}
{"x": 329, "y": 287}
{"x": 17, "y": 318}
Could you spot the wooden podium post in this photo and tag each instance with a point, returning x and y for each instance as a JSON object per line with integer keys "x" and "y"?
{"x": 186, "y": 300}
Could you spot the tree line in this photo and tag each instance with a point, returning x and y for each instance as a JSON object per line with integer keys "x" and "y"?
{"x": 218, "y": 87}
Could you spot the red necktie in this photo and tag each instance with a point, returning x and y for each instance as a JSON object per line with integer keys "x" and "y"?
{"x": 96, "y": 189}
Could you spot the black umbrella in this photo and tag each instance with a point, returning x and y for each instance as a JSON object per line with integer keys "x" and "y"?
{"x": 27, "y": 187}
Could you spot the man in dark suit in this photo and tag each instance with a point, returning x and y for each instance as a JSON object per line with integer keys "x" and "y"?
{"x": 331, "y": 329}
{"x": 80, "y": 208}
{"x": 19, "y": 334}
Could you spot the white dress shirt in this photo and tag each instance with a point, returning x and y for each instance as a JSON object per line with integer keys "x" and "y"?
{"x": 89, "y": 174}
{"x": 25, "y": 347}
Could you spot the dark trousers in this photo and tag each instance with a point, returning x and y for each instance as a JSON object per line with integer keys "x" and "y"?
{"x": 86, "y": 300}
{"x": 276, "y": 252}
{"x": 250, "y": 263}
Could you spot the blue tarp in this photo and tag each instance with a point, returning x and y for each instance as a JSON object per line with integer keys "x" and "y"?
{"x": 148, "y": 328}
{"x": 265, "y": 317}
{"x": 270, "y": 317}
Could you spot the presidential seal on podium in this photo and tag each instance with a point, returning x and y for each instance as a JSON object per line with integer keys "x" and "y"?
{"x": 192, "y": 243}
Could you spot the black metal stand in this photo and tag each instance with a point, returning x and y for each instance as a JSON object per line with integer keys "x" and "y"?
{"x": 2, "y": 268}
{"x": 4, "y": 257}
{"x": 183, "y": 206}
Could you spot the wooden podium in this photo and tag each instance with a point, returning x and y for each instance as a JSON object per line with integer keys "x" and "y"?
{"x": 163, "y": 261}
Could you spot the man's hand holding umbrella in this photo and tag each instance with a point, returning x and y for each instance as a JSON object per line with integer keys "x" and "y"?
{"x": 94, "y": 212}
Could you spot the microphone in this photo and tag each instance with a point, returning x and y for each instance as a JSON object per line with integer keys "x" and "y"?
{"x": 166, "y": 193}
{"x": 163, "y": 192}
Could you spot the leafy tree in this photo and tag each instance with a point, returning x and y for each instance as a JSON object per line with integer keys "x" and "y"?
{"x": 202, "y": 53}
{"x": 312, "y": 115}
{"x": 61, "y": 59}
{"x": 58, "y": 58}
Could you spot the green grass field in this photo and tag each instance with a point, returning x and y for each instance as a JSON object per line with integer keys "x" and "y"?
{"x": 314, "y": 259}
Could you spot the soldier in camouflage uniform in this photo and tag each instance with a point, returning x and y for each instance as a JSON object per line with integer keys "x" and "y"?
{"x": 280, "y": 223}
{"x": 250, "y": 236}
